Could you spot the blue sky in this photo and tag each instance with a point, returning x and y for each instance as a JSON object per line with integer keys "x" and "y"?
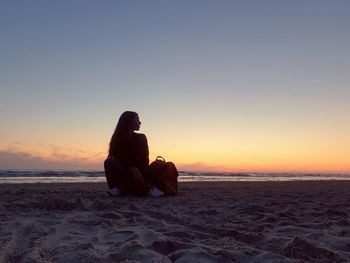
{"x": 249, "y": 75}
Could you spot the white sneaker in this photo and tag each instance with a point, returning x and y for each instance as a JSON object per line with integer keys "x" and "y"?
{"x": 155, "y": 192}
{"x": 114, "y": 191}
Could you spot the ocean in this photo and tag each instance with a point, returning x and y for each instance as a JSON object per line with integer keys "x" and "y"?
{"x": 63, "y": 176}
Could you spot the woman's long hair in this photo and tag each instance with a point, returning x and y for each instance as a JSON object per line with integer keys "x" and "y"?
{"x": 120, "y": 136}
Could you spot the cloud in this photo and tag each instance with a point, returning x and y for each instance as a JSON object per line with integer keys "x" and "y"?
{"x": 24, "y": 160}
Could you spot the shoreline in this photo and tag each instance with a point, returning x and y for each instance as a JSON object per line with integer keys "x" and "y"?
{"x": 30, "y": 181}
{"x": 290, "y": 221}
{"x": 215, "y": 184}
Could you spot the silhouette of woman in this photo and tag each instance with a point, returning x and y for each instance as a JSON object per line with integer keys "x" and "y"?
{"x": 128, "y": 159}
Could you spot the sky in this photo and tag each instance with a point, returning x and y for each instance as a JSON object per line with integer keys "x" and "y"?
{"x": 236, "y": 86}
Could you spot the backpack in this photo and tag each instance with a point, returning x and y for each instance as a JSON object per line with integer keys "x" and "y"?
{"x": 163, "y": 175}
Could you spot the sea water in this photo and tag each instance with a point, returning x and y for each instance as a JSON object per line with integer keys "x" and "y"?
{"x": 63, "y": 176}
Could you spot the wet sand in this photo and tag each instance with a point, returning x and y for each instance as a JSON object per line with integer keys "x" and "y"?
{"x": 206, "y": 222}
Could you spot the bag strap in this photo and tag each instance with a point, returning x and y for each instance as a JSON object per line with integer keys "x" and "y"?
{"x": 160, "y": 158}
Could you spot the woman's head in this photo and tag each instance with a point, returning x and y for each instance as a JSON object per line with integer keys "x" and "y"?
{"x": 127, "y": 124}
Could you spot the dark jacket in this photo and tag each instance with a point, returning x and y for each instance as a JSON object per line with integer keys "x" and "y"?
{"x": 135, "y": 152}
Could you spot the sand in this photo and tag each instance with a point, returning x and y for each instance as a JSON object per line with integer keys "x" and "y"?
{"x": 206, "y": 222}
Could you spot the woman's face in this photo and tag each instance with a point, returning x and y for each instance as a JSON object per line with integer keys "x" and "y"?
{"x": 135, "y": 124}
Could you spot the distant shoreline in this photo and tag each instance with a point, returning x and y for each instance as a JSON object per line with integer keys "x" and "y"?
{"x": 44, "y": 176}
{"x": 215, "y": 185}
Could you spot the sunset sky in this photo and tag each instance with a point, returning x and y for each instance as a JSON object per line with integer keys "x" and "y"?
{"x": 240, "y": 86}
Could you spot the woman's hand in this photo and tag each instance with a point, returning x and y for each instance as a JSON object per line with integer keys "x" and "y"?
{"x": 136, "y": 174}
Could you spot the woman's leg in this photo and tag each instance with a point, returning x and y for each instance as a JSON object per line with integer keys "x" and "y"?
{"x": 114, "y": 171}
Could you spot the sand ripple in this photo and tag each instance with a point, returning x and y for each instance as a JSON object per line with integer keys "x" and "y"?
{"x": 206, "y": 222}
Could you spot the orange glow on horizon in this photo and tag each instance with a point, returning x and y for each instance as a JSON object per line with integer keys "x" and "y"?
{"x": 94, "y": 160}
{"x": 243, "y": 153}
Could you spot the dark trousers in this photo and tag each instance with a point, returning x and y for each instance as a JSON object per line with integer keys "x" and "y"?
{"x": 115, "y": 172}
{"x": 118, "y": 175}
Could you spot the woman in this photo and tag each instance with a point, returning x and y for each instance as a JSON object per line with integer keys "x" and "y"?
{"x": 128, "y": 159}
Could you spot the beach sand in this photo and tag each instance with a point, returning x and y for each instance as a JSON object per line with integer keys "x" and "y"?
{"x": 206, "y": 222}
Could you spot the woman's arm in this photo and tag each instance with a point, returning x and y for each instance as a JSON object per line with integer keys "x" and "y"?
{"x": 143, "y": 153}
